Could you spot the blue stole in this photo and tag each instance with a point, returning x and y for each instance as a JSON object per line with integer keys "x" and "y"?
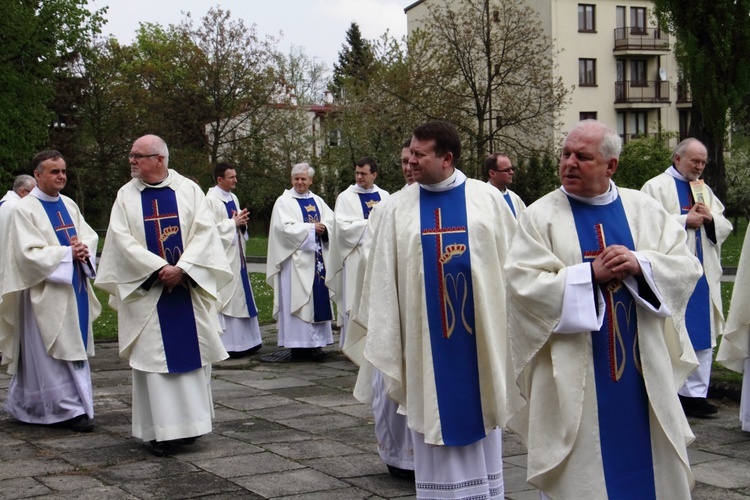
{"x": 251, "y": 310}
{"x": 450, "y": 313}
{"x": 510, "y": 203}
{"x": 698, "y": 312}
{"x": 620, "y": 390}
{"x": 321, "y": 299}
{"x": 368, "y": 201}
{"x": 179, "y": 332}
{"x": 65, "y": 230}
{"x": 1, "y": 202}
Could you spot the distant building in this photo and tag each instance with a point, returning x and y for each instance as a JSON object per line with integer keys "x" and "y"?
{"x": 623, "y": 67}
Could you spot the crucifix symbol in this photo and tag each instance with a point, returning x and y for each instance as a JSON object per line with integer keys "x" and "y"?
{"x": 65, "y": 227}
{"x": 443, "y": 257}
{"x": 614, "y": 335}
{"x": 162, "y": 234}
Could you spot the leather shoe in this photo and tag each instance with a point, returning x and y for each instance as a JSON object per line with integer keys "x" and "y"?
{"x": 400, "y": 473}
{"x": 81, "y": 423}
{"x": 698, "y": 407}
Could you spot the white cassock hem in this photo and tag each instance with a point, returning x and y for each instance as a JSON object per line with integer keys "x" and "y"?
{"x": 46, "y": 390}
{"x": 240, "y": 334}
{"x": 169, "y": 406}
{"x": 293, "y": 332}
{"x": 459, "y": 472}
{"x": 395, "y": 445}
{"x": 696, "y": 385}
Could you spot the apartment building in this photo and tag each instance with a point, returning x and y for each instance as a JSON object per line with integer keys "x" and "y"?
{"x": 623, "y": 67}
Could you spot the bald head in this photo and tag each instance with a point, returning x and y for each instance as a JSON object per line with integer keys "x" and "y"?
{"x": 149, "y": 159}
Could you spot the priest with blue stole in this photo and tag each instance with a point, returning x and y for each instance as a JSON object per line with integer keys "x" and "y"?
{"x": 499, "y": 171}
{"x": 237, "y": 311}
{"x": 437, "y": 322}
{"x": 298, "y": 246}
{"x": 48, "y": 306}
{"x": 351, "y": 239}
{"x": 707, "y": 228}
{"x": 593, "y": 272}
{"x": 163, "y": 265}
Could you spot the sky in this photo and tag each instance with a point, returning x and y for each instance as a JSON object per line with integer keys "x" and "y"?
{"x": 318, "y": 26}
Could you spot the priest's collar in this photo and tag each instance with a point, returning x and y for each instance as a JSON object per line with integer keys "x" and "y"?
{"x": 358, "y": 189}
{"x": 295, "y": 194}
{"x": 675, "y": 173}
{"x": 455, "y": 180}
{"x": 502, "y": 191}
{"x": 224, "y": 195}
{"x": 141, "y": 184}
{"x": 603, "y": 199}
{"x": 39, "y": 194}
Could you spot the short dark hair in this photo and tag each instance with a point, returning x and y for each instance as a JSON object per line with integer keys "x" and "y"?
{"x": 445, "y": 136}
{"x": 490, "y": 163}
{"x": 220, "y": 169}
{"x": 407, "y": 143}
{"x": 42, "y": 156}
{"x": 368, "y": 161}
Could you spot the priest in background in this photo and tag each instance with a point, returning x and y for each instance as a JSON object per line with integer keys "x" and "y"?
{"x": 237, "y": 311}
{"x": 437, "y": 323}
{"x": 592, "y": 273}
{"x": 499, "y": 172}
{"x": 298, "y": 243}
{"x": 164, "y": 265}
{"x": 48, "y": 306}
{"x": 351, "y": 238}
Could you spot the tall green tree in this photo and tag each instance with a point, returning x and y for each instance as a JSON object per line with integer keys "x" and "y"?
{"x": 355, "y": 62}
{"x": 713, "y": 50}
{"x": 36, "y": 39}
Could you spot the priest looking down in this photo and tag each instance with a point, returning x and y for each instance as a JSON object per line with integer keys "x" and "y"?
{"x": 592, "y": 273}
{"x": 163, "y": 264}
{"x": 437, "y": 328}
{"x": 48, "y": 306}
{"x": 351, "y": 239}
{"x": 301, "y": 224}
{"x": 237, "y": 311}
{"x": 702, "y": 216}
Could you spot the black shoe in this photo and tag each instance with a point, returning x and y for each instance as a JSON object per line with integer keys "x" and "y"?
{"x": 161, "y": 448}
{"x": 400, "y": 473}
{"x": 81, "y": 423}
{"x": 246, "y": 352}
{"x": 317, "y": 354}
{"x": 187, "y": 441}
{"x": 698, "y": 407}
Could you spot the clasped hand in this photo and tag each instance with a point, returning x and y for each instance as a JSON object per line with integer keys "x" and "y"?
{"x": 616, "y": 262}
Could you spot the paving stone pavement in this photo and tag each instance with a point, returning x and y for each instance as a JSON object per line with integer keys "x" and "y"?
{"x": 289, "y": 431}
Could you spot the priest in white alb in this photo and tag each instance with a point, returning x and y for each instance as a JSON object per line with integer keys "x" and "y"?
{"x": 351, "y": 238}
{"x": 163, "y": 264}
{"x": 593, "y": 272}
{"x": 48, "y": 306}
{"x": 237, "y": 310}
{"x": 707, "y": 228}
{"x": 437, "y": 323}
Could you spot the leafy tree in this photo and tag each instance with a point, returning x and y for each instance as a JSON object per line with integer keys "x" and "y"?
{"x": 737, "y": 200}
{"x": 493, "y": 62}
{"x": 355, "y": 61}
{"x": 536, "y": 176}
{"x": 303, "y": 76}
{"x": 713, "y": 50}
{"x": 641, "y": 159}
{"x": 36, "y": 37}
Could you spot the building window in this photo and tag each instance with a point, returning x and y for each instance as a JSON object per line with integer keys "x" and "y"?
{"x": 587, "y": 72}
{"x": 587, "y": 115}
{"x": 638, "y": 20}
{"x": 638, "y": 73}
{"x": 334, "y": 137}
{"x": 586, "y": 18}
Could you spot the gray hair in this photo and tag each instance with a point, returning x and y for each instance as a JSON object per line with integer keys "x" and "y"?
{"x": 24, "y": 181}
{"x": 683, "y": 146}
{"x": 611, "y": 144}
{"x": 303, "y": 167}
{"x": 160, "y": 148}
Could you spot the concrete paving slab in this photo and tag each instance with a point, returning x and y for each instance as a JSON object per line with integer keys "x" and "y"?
{"x": 315, "y": 424}
{"x": 728, "y": 473}
{"x": 384, "y": 485}
{"x": 148, "y": 467}
{"x": 363, "y": 464}
{"x": 256, "y": 402}
{"x": 70, "y": 482}
{"x": 278, "y": 383}
{"x": 293, "y": 410}
{"x": 39, "y": 466}
{"x": 191, "y": 485}
{"x": 247, "y": 465}
{"x": 22, "y": 487}
{"x": 313, "y": 448}
{"x": 296, "y": 482}
{"x": 330, "y": 400}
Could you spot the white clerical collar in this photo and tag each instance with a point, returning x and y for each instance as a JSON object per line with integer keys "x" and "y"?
{"x": 675, "y": 173}
{"x": 38, "y": 193}
{"x": 162, "y": 183}
{"x": 224, "y": 195}
{"x": 295, "y": 194}
{"x": 358, "y": 189}
{"x": 603, "y": 199}
{"x": 456, "y": 179}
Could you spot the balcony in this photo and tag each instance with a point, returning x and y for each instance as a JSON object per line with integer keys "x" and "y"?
{"x": 642, "y": 92}
{"x": 641, "y": 135}
{"x": 684, "y": 96}
{"x": 638, "y": 40}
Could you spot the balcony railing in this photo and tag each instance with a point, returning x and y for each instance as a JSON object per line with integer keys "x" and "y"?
{"x": 638, "y": 135}
{"x": 634, "y": 91}
{"x": 637, "y": 38}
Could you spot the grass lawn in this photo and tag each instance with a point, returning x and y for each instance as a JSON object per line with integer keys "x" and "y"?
{"x": 732, "y": 247}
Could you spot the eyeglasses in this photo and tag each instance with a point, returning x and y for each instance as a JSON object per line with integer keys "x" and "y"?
{"x": 139, "y": 156}
{"x": 504, "y": 170}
